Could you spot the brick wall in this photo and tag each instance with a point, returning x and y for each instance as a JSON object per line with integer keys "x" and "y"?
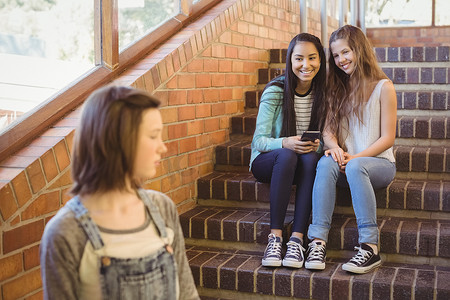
{"x": 200, "y": 75}
{"x": 404, "y": 36}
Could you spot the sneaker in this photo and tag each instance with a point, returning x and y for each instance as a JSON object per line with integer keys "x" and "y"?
{"x": 316, "y": 256}
{"x": 294, "y": 255}
{"x": 364, "y": 261}
{"x": 272, "y": 254}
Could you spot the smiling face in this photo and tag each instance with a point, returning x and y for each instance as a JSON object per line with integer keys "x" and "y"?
{"x": 305, "y": 62}
{"x": 150, "y": 146}
{"x": 344, "y": 57}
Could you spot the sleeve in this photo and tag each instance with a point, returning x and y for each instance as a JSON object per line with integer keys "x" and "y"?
{"x": 186, "y": 282}
{"x": 269, "y": 110}
{"x": 60, "y": 254}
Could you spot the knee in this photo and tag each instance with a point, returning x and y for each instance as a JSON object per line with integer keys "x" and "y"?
{"x": 327, "y": 164}
{"x": 286, "y": 157}
{"x": 355, "y": 167}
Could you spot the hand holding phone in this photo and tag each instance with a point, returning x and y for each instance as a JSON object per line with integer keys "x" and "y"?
{"x": 309, "y": 135}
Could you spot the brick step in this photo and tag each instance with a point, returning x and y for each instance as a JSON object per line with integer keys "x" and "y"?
{"x": 399, "y": 74}
{"x": 406, "y": 100}
{"x": 413, "y": 54}
{"x": 424, "y": 238}
{"x": 239, "y": 275}
{"x": 406, "y": 194}
{"x": 390, "y": 54}
{"x": 408, "y": 158}
{"x": 420, "y": 127}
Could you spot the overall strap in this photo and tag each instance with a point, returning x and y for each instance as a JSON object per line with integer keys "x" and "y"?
{"x": 154, "y": 213}
{"x": 83, "y": 218}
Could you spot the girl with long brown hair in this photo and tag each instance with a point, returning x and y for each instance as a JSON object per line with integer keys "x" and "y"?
{"x": 359, "y": 134}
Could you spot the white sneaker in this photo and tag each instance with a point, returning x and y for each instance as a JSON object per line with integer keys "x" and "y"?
{"x": 272, "y": 254}
{"x": 316, "y": 256}
{"x": 364, "y": 261}
{"x": 294, "y": 255}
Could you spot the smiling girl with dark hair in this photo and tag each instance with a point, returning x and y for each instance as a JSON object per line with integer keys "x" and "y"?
{"x": 290, "y": 104}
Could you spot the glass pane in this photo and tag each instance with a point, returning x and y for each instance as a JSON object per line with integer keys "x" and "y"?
{"x": 44, "y": 45}
{"x": 442, "y": 12}
{"x": 138, "y": 17}
{"x": 389, "y": 13}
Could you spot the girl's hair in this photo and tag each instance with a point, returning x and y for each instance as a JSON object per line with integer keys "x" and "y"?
{"x": 104, "y": 146}
{"x": 347, "y": 94}
{"x": 288, "y": 82}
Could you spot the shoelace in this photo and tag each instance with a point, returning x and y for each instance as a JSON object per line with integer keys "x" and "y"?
{"x": 317, "y": 251}
{"x": 361, "y": 256}
{"x": 273, "y": 247}
{"x": 294, "y": 249}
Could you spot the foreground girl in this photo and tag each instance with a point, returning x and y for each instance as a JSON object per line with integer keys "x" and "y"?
{"x": 115, "y": 240}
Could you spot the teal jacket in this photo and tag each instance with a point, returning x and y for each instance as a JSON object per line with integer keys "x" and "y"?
{"x": 268, "y": 123}
{"x": 267, "y": 136}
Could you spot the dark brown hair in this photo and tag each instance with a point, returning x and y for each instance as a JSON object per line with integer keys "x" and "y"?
{"x": 347, "y": 94}
{"x": 104, "y": 146}
{"x": 288, "y": 82}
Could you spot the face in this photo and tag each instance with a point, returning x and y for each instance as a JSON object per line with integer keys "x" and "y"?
{"x": 305, "y": 61}
{"x": 150, "y": 146}
{"x": 344, "y": 57}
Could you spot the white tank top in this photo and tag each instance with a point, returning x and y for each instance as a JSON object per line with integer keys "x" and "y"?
{"x": 362, "y": 135}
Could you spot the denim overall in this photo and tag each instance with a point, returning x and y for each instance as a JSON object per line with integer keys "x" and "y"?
{"x": 149, "y": 277}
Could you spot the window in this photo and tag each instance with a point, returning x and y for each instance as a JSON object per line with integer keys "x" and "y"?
{"x": 388, "y": 13}
{"x": 442, "y": 16}
{"x": 44, "y": 45}
{"x": 138, "y": 17}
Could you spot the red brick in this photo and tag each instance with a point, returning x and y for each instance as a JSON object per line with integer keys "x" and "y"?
{"x": 10, "y": 266}
{"x": 195, "y": 96}
{"x": 31, "y": 257}
{"x": 186, "y": 113}
{"x": 62, "y": 156}
{"x": 169, "y": 114}
{"x": 163, "y": 97}
{"x": 8, "y": 205}
{"x": 202, "y": 80}
{"x": 225, "y": 66}
{"x": 169, "y": 66}
{"x": 218, "y": 109}
{"x": 22, "y": 236}
{"x": 177, "y": 131}
{"x": 203, "y": 110}
{"x": 232, "y": 80}
{"x": 38, "y": 296}
{"x": 212, "y": 124}
{"x": 23, "y": 285}
{"x": 44, "y": 204}
{"x": 226, "y": 94}
{"x": 172, "y": 149}
{"x": 217, "y": 80}
{"x": 231, "y": 52}
{"x": 21, "y": 189}
{"x": 186, "y": 81}
{"x": 69, "y": 141}
{"x": 195, "y": 65}
{"x": 218, "y": 50}
{"x": 63, "y": 180}
{"x": 177, "y": 97}
{"x": 211, "y": 95}
{"x": 211, "y": 65}
{"x": 49, "y": 165}
{"x": 187, "y": 145}
{"x": 172, "y": 83}
{"x": 176, "y": 60}
{"x": 36, "y": 176}
{"x": 162, "y": 70}
{"x": 231, "y": 107}
{"x": 195, "y": 127}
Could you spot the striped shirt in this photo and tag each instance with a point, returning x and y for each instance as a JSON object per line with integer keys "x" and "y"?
{"x": 303, "y": 106}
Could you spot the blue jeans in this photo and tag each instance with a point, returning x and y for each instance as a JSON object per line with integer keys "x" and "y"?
{"x": 283, "y": 168}
{"x": 362, "y": 175}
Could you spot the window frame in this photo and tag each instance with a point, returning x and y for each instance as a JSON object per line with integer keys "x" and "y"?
{"x": 109, "y": 64}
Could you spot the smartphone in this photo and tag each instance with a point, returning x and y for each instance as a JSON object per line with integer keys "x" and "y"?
{"x": 311, "y": 135}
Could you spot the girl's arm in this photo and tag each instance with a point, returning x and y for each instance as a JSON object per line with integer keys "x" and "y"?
{"x": 388, "y": 100}
{"x": 332, "y": 146}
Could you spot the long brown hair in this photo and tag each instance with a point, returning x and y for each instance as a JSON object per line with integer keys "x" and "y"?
{"x": 104, "y": 146}
{"x": 348, "y": 94}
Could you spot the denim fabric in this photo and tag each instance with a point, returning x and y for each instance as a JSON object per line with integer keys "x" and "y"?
{"x": 283, "y": 168}
{"x": 362, "y": 176}
{"x": 150, "y": 277}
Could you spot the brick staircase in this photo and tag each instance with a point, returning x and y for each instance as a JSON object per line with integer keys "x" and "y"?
{"x": 227, "y": 232}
